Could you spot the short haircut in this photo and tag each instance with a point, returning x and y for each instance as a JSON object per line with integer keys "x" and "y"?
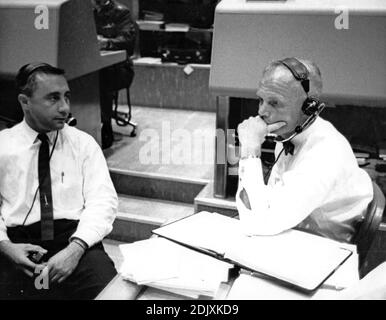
{"x": 315, "y": 76}
{"x": 26, "y": 76}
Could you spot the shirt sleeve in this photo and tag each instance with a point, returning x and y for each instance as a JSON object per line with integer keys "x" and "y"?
{"x": 282, "y": 205}
{"x": 101, "y": 200}
{"x": 125, "y": 38}
{"x": 3, "y": 227}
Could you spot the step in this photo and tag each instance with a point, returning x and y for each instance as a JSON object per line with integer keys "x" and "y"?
{"x": 157, "y": 186}
{"x": 205, "y": 201}
{"x": 164, "y": 177}
{"x": 138, "y": 216}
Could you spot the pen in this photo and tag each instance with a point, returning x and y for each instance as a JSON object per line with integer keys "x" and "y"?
{"x": 62, "y": 176}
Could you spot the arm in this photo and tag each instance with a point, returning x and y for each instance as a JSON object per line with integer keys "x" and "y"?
{"x": 18, "y": 254}
{"x": 126, "y": 34}
{"x": 283, "y": 205}
{"x": 3, "y": 227}
{"x": 101, "y": 200}
{"x": 97, "y": 218}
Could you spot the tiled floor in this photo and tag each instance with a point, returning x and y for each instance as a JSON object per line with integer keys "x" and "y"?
{"x": 170, "y": 142}
{"x": 165, "y": 210}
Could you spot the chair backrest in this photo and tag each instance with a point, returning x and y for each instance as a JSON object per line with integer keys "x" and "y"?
{"x": 369, "y": 226}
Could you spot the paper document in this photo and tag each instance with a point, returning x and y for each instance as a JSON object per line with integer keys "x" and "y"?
{"x": 163, "y": 264}
{"x": 302, "y": 259}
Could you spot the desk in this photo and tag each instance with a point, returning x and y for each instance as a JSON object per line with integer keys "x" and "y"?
{"x": 70, "y": 42}
{"x": 120, "y": 289}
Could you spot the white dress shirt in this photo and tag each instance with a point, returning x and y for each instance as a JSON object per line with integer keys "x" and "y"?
{"x": 319, "y": 188}
{"x": 81, "y": 185}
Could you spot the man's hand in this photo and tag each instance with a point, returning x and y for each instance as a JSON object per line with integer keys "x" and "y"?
{"x": 252, "y": 132}
{"x": 18, "y": 254}
{"x": 63, "y": 264}
{"x": 103, "y": 42}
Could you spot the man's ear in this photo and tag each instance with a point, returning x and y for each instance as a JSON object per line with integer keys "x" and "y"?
{"x": 23, "y": 100}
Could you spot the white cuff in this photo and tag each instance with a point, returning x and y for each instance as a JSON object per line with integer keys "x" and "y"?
{"x": 88, "y": 236}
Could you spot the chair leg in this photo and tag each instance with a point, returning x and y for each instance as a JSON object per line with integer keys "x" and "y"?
{"x": 123, "y": 119}
{"x": 129, "y": 122}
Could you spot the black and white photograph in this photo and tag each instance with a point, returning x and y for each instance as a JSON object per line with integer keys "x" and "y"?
{"x": 192, "y": 156}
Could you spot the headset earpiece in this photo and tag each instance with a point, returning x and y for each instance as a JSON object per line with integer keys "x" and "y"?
{"x": 310, "y": 106}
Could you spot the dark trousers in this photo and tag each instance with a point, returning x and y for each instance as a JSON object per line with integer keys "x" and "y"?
{"x": 111, "y": 80}
{"x": 94, "y": 271}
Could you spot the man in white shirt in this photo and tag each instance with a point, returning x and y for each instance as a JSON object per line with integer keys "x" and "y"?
{"x": 319, "y": 187}
{"x": 57, "y": 198}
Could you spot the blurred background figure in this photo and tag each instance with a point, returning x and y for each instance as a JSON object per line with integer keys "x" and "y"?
{"x": 116, "y": 31}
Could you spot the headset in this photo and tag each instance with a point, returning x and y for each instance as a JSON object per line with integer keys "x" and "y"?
{"x": 28, "y": 69}
{"x": 312, "y": 106}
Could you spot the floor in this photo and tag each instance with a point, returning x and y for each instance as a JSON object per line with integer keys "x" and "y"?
{"x": 170, "y": 142}
{"x": 189, "y": 155}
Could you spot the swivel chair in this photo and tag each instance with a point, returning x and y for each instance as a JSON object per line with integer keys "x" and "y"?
{"x": 123, "y": 118}
{"x": 364, "y": 238}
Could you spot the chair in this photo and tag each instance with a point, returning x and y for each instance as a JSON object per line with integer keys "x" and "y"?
{"x": 123, "y": 118}
{"x": 368, "y": 227}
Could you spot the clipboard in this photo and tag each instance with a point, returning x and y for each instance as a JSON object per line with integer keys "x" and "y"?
{"x": 293, "y": 258}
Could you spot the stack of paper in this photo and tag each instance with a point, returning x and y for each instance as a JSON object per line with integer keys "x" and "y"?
{"x": 299, "y": 258}
{"x": 165, "y": 265}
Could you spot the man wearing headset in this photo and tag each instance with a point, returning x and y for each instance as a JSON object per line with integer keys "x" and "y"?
{"x": 315, "y": 183}
{"x": 116, "y": 31}
{"x": 57, "y": 199}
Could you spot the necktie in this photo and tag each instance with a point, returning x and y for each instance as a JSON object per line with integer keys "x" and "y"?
{"x": 288, "y": 147}
{"x": 46, "y": 209}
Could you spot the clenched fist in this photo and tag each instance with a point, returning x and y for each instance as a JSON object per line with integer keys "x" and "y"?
{"x": 252, "y": 132}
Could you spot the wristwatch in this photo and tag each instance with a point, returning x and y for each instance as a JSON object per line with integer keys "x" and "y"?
{"x": 79, "y": 242}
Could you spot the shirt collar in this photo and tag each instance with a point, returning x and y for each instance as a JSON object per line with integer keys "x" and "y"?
{"x": 32, "y": 136}
{"x": 299, "y": 139}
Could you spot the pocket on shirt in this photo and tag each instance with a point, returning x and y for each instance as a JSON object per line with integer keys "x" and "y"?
{"x": 12, "y": 185}
{"x": 67, "y": 187}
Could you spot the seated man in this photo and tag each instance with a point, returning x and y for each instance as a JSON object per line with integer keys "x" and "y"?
{"x": 116, "y": 31}
{"x": 317, "y": 186}
{"x": 57, "y": 198}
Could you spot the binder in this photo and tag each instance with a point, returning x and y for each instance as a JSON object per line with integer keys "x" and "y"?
{"x": 295, "y": 258}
